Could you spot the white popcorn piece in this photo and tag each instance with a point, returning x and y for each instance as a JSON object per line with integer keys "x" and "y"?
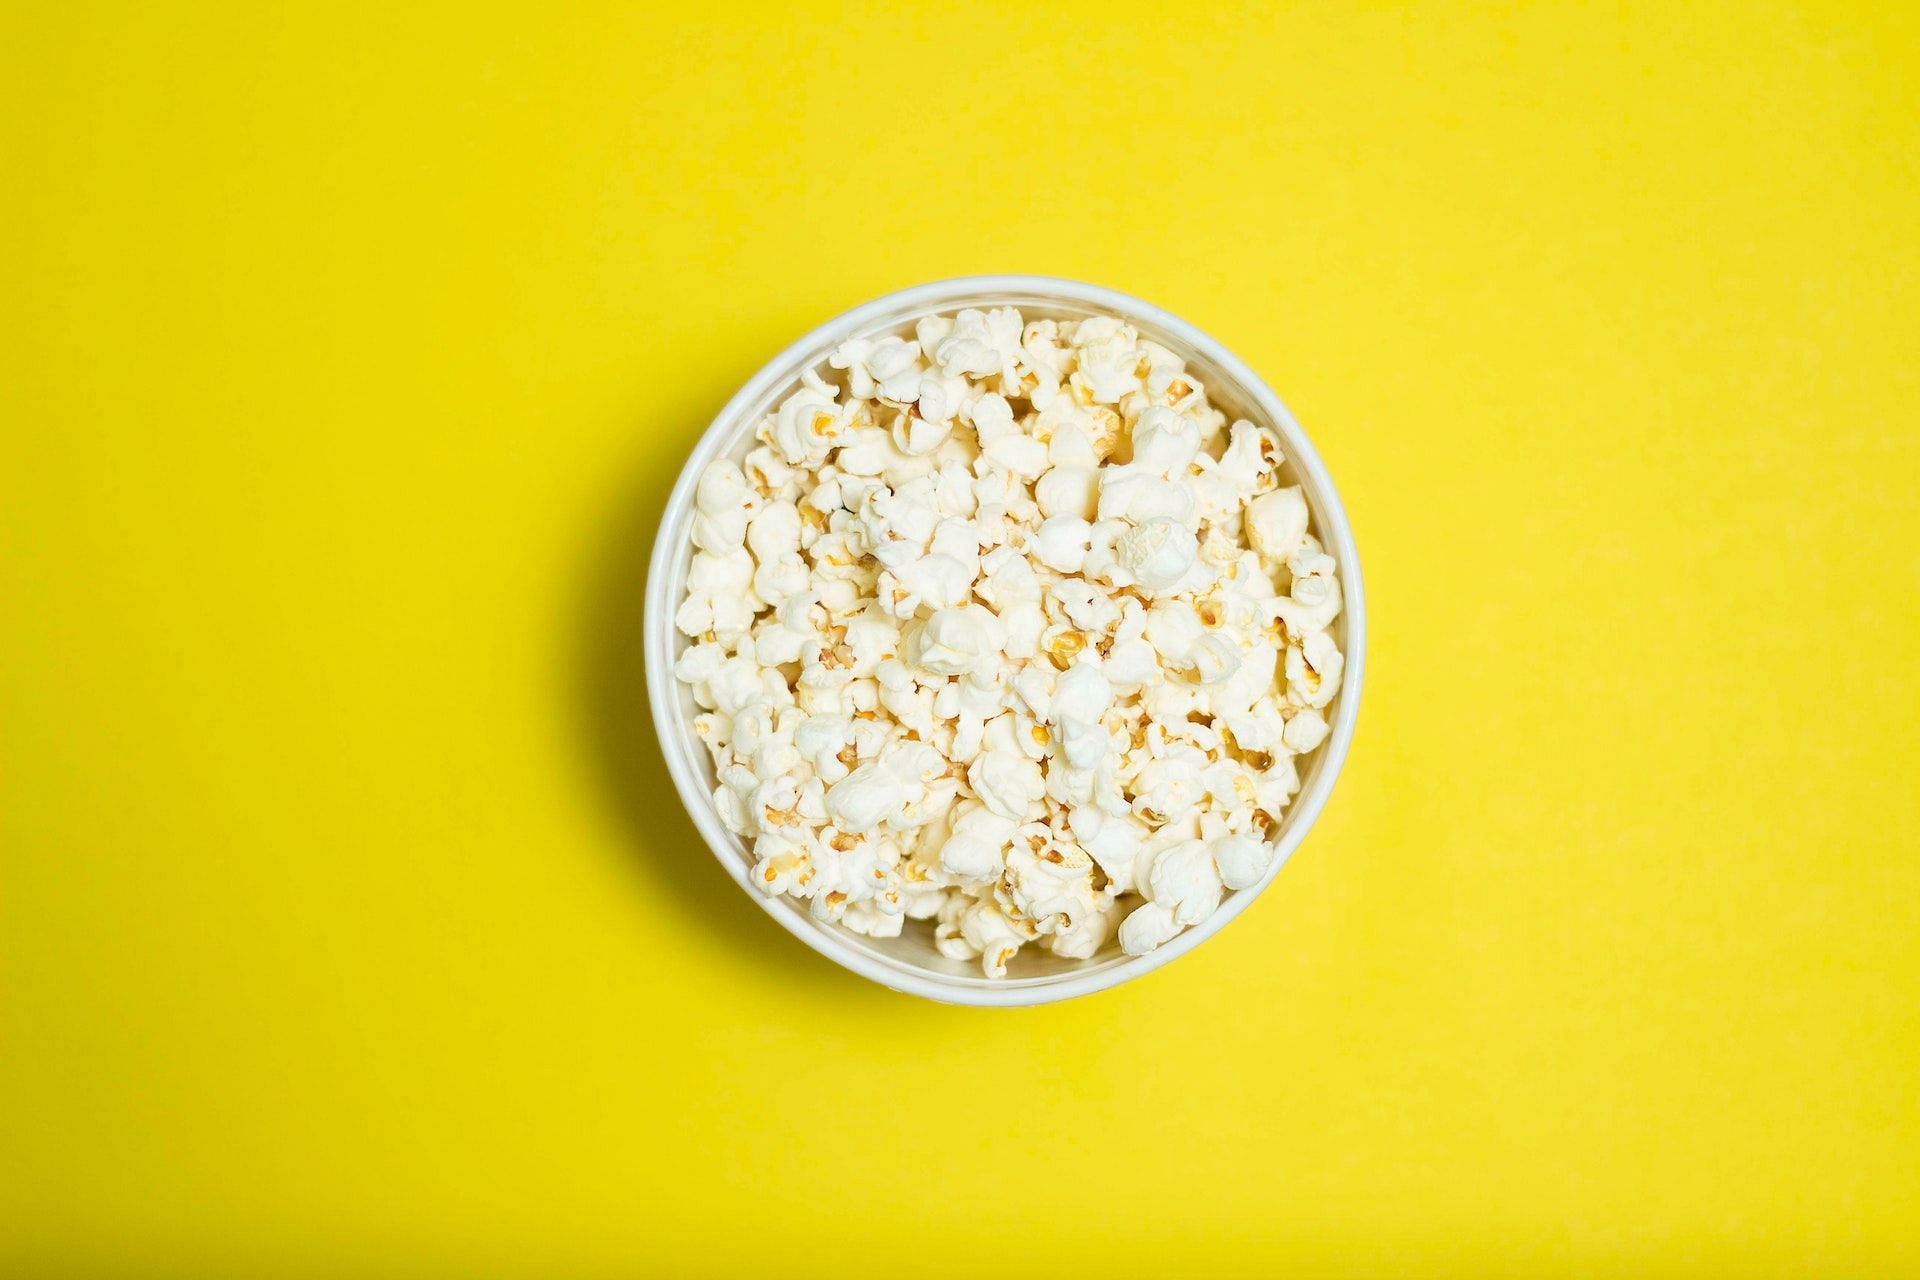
{"x": 1081, "y": 935}
{"x": 1131, "y": 662}
{"x": 1112, "y": 840}
{"x": 894, "y": 365}
{"x": 1256, "y": 728}
{"x": 1254, "y": 679}
{"x": 867, "y": 797}
{"x": 809, "y": 423}
{"x": 1168, "y": 782}
{"x": 1183, "y": 879}
{"x": 1164, "y": 443}
{"x": 1312, "y": 603}
{"x": 914, "y": 435}
{"x": 1107, "y": 357}
{"x": 1276, "y": 523}
{"x": 1061, "y": 544}
{"x": 1241, "y": 860}
{"x": 1215, "y": 659}
{"x": 928, "y": 582}
{"x": 871, "y": 638}
{"x": 851, "y": 356}
{"x": 957, "y": 664}
{"x": 870, "y": 452}
{"x": 1007, "y": 782}
{"x": 980, "y": 344}
{"x": 1136, "y": 494}
{"x": 873, "y": 920}
{"x": 1306, "y": 730}
{"x": 773, "y": 535}
{"x": 1157, "y": 553}
{"x": 770, "y": 476}
{"x": 987, "y": 932}
{"x": 953, "y": 493}
{"x": 723, "y": 504}
{"x": 1008, "y": 579}
{"x": 959, "y": 540}
{"x": 699, "y": 663}
{"x": 1147, "y": 927}
{"x": 720, "y": 598}
{"x": 955, "y": 641}
{"x": 1251, "y": 461}
{"x": 976, "y": 849}
{"x": 1174, "y": 629}
{"x": 1313, "y": 669}
{"x": 826, "y": 744}
{"x": 1083, "y": 604}
{"x": 1068, "y": 491}
{"x": 1081, "y": 695}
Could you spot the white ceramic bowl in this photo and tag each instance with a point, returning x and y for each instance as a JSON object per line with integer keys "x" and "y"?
{"x": 910, "y": 963}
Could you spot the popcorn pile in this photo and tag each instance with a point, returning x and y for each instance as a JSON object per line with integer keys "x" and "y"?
{"x": 1004, "y": 626}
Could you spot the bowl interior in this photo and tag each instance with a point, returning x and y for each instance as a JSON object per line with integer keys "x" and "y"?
{"x": 912, "y": 958}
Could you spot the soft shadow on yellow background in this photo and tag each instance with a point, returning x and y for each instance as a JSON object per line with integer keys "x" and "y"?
{"x": 347, "y": 921}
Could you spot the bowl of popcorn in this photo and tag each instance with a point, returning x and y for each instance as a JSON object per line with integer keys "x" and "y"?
{"x": 1004, "y": 638}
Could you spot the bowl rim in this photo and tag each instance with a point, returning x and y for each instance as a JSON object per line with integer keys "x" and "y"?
{"x": 837, "y": 944}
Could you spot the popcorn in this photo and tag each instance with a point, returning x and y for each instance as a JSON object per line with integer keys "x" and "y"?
{"x": 1305, "y": 731}
{"x": 871, "y": 451}
{"x": 1157, "y": 553}
{"x": 955, "y": 641}
{"x": 1080, "y": 935}
{"x": 720, "y": 597}
{"x": 699, "y": 663}
{"x": 1168, "y": 783}
{"x": 1007, "y": 579}
{"x": 926, "y": 582}
{"x": 808, "y": 424}
{"x": 871, "y": 638}
{"x": 1250, "y": 463}
{"x": 723, "y": 503}
{"x": 1111, "y": 840}
{"x": 1062, "y": 543}
{"x": 1311, "y": 604}
{"x": 1215, "y": 659}
{"x": 1147, "y": 928}
{"x": 958, "y": 664}
{"x": 1184, "y": 881}
{"x": 773, "y": 535}
{"x": 1174, "y": 629}
{"x": 1313, "y": 670}
{"x": 1081, "y": 603}
{"x": 826, "y": 744}
{"x": 769, "y": 475}
{"x": 1241, "y": 860}
{"x": 981, "y": 929}
{"x": 1007, "y": 782}
{"x": 1164, "y": 442}
{"x": 981, "y": 344}
{"x": 1259, "y": 727}
{"x": 1080, "y": 696}
{"x": 977, "y": 848}
{"x": 1068, "y": 491}
{"x": 867, "y": 797}
{"x": 1131, "y": 663}
{"x": 1136, "y": 494}
{"x": 1107, "y": 357}
{"x": 1276, "y": 522}
{"x": 915, "y": 435}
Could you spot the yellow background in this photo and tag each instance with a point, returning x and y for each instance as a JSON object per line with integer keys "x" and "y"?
{"x": 347, "y": 920}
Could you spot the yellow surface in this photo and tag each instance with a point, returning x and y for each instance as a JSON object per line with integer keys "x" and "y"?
{"x": 348, "y": 922}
